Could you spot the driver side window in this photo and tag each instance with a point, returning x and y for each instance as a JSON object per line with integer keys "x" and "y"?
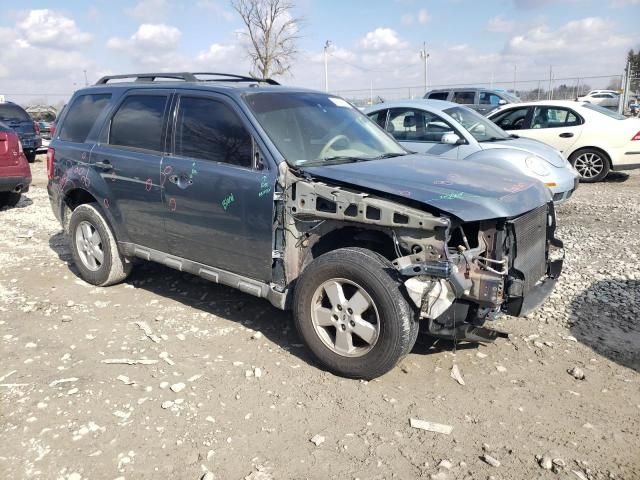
{"x": 412, "y": 125}
{"x": 513, "y": 119}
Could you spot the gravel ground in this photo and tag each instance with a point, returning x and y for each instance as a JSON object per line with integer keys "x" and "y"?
{"x": 227, "y": 387}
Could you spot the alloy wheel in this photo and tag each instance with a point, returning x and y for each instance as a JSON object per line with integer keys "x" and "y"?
{"x": 89, "y": 246}
{"x": 345, "y": 317}
{"x": 589, "y": 165}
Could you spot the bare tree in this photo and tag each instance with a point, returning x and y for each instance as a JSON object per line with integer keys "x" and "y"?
{"x": 272, "y": 33}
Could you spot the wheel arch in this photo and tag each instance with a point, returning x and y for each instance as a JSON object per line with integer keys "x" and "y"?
{"x": 80, "y": 196}
{"x": 607, "y": 155}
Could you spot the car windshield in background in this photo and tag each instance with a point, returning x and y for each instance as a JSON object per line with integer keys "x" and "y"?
{"x": 483, "y": 130}
{"x": 13, "y": 113}
{"x": 314, "y": 128}
{"x": 604, "y": 111}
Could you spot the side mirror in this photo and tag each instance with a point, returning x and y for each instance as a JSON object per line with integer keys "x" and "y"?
{"x": 450, "y": 139}
{"x": 502, "y": 101}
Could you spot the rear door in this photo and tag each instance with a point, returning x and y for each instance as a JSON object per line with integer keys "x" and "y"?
{"x": 556, "y": 126}
{"x": 218, "y": 193}
{"x": 129, "y": 161}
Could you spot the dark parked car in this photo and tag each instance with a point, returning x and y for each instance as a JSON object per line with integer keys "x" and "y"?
{"x": 15, "y": 174}
{"x": 297, "y": 197}
{"x": 14, "y": 116}
{"x": 483, "y": 100}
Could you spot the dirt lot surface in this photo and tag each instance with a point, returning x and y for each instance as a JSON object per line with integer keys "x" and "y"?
{"x": 228, "y": 388}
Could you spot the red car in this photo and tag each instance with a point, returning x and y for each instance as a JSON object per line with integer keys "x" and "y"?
{"x": 15, "y": 174}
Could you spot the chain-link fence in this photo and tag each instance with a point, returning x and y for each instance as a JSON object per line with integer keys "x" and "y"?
{"x": 527, "y": 90}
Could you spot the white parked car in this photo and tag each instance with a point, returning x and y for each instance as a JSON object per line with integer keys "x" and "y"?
{"x": 456, "y": 132}
{"x": 604, "y": 99}
{"x": 594, "y": 139}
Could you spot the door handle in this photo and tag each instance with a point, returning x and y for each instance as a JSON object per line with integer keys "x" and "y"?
{"x": 104, "y": 165}
{"x": 566, "y": 135}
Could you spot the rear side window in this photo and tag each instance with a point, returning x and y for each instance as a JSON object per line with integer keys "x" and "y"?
{"x": 13, "y": 113}
{"x": 210, "y": 130}
{"x": 438, "y": 95}
{"x": 138, "y": 122}
{"x": 82, "y": 115}
{"x": 465, "y": 98}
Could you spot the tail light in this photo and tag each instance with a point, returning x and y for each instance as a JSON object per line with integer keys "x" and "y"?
{"x": 52, "y": 129}
{"x": 20, "y": 150}
{"x": 636, "y": 137}
{"x": 36, "y": 127}
{"x": 51, "y": 158}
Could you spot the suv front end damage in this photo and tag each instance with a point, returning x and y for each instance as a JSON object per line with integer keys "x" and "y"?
{"x": 458, "y": 274}
{"x": 509, "y": 266}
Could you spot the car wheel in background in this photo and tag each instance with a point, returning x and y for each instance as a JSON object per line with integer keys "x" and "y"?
{"x": 350, "y": 311}
{"x": 31, "y": 156}
{"x": 9, "y": 199}
{"x": 592, "y": 165}
{"x": 94, "y": 248}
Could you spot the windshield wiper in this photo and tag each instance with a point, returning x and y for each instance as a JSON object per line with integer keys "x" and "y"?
{"x": 514, "y": 136}
{"x": 334, "y": 160}
{"x": 495, "y": 139}
{"x": 387, "y": 155}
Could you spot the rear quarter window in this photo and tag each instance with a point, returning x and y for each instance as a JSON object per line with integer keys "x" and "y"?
{"x": 82, "y": 115}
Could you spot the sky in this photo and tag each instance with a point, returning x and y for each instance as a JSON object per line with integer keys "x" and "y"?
{"x": 46, "y": 47}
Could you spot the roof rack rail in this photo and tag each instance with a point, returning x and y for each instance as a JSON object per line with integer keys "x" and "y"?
{"x": 185, "y": 76}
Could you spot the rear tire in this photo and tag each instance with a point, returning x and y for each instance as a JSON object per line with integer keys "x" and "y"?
{"x": 94, "y": 248}
{"x": 9, "y": 199}
{"x": 351, "y": 312}
{"x": 31, "y": 156}
{"x": 592, "y": 165}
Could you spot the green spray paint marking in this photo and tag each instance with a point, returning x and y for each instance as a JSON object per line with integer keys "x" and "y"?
{"x": 228, "y": 201}
{"x": 264, "y": 186}
{"x": 194, "y": 171}
{"x": 452, "y": 196}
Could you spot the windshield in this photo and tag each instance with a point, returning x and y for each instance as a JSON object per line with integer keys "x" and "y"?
{"x": 483, "y": 130}
{"x": 604, "y": 111}
{"x": 13, "y": 113}
{"x": 314, "y": 128}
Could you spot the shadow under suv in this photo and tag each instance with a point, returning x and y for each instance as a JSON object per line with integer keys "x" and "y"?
{"x": 297, "y": 197}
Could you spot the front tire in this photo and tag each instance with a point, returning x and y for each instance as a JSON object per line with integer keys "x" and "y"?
{"x": 350, "y": 310}
{"x": 94, "y": 248}
{"x": 9, "y": 199}
{"x": 592, "y": 165}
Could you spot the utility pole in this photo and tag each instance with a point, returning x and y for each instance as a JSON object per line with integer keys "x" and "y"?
{"x": 515, "y": 76}
{"x": 424, "y": 56}
{"x": 86, "y": 82}
{"x": 327, "y": 44}
{"x": 550, "y": 78}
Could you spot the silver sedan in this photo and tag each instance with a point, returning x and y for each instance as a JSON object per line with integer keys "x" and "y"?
{"x": 457, "y": 132}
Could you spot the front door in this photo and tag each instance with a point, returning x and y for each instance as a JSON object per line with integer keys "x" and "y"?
{"x": 218, "y": 188}
{"x": 129, "y": 160}
{"x": 421, "y": 131}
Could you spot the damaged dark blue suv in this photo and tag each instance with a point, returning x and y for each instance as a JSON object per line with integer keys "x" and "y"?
{"x": 297, "y": 197}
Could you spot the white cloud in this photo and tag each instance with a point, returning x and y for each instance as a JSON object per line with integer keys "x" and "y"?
{"x": 424, "y": 16}
{"x": 218, "y": 54}
{"x": 215, "y": 7}
{"x": 152, "y": 45}
{"x": 148, "y": 10}
{"x": 153, "y": 37}
{"x": 381, "y": 38}
{"x": 51, "y": 29}
{"x": 499, "y": 24}
{"x": 591, "y": 34}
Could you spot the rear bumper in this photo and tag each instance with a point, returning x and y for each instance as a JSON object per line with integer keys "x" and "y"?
{"x": 11, "y": 184}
